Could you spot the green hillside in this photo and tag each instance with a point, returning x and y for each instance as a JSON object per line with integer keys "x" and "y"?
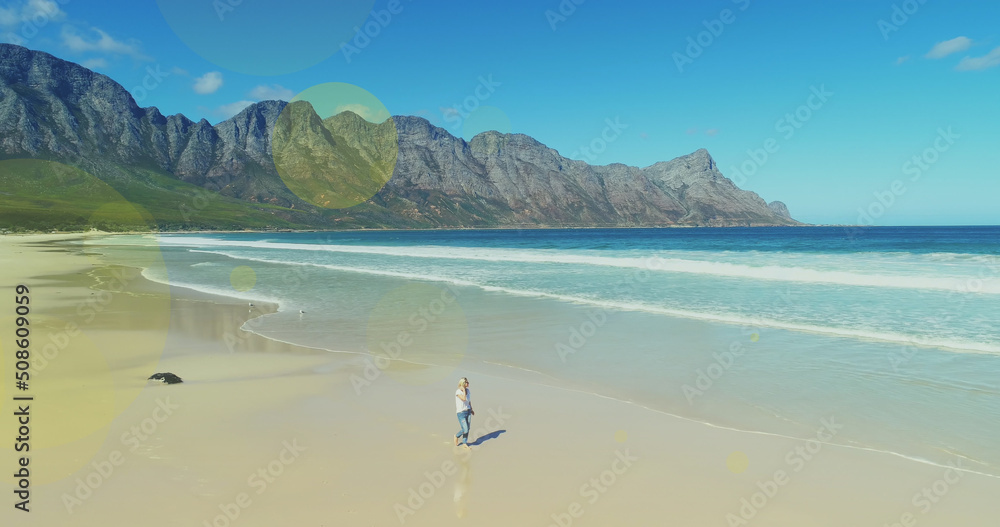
{"x": 42, "y": 195}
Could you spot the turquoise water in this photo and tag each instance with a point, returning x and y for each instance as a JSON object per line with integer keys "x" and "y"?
{"x": 889, "y": 330}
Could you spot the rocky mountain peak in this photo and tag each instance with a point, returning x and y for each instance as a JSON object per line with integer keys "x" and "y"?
{"x": 780, "y": 209}
{"x": 54, "y": 109}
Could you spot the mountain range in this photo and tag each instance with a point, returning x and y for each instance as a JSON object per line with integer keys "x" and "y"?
{"x": 403, "y": 173}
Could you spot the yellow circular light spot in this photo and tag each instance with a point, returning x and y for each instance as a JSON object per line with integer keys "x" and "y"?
{"x": 119, "y": 215}
{"x": 754, "y": 337}
{"x": 98, "y": 342}
{"x": 737, "y": 462}
{"x": 48, "y": 195}
{"x": 335, "y": 145}
{"x": 485, "y": 119}
{"x": 75, "y": 400}
{"x": 3, "y": 375}
{"x": 112, "y": 301}
{"x": 243, "y": 278}
{"x": 418, "y": 333}
{"x": 621, "y": 436}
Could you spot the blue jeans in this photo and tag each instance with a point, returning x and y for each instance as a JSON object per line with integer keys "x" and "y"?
{"x": 463, "y": 420}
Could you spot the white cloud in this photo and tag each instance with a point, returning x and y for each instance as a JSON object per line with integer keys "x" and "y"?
{"x": 37, "y": 12}
{"x": 104, "y": 43}
{"x": 20, "y": 20}
{"x": 94, "y": 63}
{"x": 366, "y": 113}
{"x": 228, "y": 110}
{"x": 259, "y": 93}
{"x": 264, "y": 92}
{"x": 943, "y": 49}
{"x": 901, "y": 60}
{"x": 990, "y": 60}
{"x": 49, "y": 9}
{"x": 208, "y": 83}
{"x": 10, "y": 37}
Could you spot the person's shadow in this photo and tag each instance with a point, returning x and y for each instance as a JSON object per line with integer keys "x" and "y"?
{"x": 487, "y": 437}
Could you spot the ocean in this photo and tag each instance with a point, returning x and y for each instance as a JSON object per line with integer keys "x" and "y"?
{"x": 891, "y": 331}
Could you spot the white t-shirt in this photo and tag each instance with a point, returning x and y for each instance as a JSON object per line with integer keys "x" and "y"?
{"x": 460, "y": 405}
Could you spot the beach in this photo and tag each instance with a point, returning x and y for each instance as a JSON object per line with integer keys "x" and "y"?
{"x": 264, "y": 432}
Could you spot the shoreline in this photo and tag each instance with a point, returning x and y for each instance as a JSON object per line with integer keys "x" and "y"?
{"x": 532, "y": 227}
{"x": 864, "y": 335}
{"x": 234, "y": 297}
{"x": 394, "y": 433}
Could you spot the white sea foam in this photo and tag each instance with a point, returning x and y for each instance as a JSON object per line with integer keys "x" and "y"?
{"x": 218, "y": 291}
{"x": 725, "y": 318}
{"x": 653, "y": 263}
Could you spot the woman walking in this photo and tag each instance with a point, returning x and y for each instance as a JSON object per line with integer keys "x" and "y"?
{"x": 463, "y": 404}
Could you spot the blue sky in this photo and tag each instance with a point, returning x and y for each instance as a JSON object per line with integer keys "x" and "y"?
{"x": 822, "y": 106}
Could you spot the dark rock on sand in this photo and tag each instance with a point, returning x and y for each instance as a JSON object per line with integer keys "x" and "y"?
{"x": 166, "y": 378}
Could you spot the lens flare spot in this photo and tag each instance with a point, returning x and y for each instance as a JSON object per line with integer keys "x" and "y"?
{"x": 243, "y": 278}
{"x": 737, "y": 462}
